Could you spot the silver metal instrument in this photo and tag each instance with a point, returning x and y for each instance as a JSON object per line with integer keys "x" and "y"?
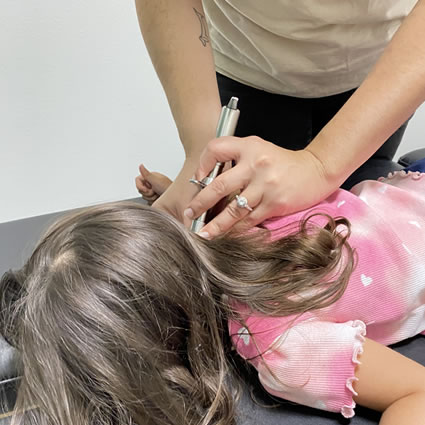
{"x": 226, "y": 127}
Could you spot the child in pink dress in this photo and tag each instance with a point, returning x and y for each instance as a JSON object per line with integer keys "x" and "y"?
{"x": 123, "y": 316}
{"x": 311, "y": 358}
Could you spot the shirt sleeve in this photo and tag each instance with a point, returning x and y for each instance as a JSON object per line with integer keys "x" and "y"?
{"x": 313, "y": 363}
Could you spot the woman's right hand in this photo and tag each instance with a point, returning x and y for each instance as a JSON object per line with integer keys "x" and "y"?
{"x": 273, "y": 180}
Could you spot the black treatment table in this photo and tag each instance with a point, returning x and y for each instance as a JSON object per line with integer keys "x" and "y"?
{"x": 17, "y": 238}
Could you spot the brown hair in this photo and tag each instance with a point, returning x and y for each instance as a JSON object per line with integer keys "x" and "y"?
{"x": 121, "y": 313}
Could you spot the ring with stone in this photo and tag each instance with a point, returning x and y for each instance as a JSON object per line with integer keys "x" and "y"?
{"x": 242, "y": 202}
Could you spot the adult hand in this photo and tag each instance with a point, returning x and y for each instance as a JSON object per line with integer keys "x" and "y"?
{"x": 275, "y": 181}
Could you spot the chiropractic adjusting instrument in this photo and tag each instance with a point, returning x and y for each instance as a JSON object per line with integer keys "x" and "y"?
{"x": 226, "y": 127}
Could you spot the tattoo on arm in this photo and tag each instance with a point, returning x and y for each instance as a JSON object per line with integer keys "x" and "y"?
{"x": 204, "y": 28}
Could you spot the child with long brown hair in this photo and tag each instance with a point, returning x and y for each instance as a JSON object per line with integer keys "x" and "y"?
{"x": 123, "y": 316}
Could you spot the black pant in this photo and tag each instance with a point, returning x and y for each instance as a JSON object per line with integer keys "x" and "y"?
{"x": 292, "y": 123}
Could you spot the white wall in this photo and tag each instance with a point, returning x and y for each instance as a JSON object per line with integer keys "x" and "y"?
{"x": 80, "y": 106}
{"x": 414, "y": 138}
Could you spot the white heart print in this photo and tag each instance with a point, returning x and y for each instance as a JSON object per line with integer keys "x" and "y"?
{"x": 364, "y": 199}
{"x": 244, "y": 335}
{"x": 340, "y": 204}
{"x": 366, "y": 280}
{"x": 407, "y": 249}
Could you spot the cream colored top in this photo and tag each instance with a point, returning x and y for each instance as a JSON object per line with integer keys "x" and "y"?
{"x": 303, "y": 48}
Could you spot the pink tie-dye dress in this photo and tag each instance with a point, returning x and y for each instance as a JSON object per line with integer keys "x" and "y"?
{"x": 310, "y": 359}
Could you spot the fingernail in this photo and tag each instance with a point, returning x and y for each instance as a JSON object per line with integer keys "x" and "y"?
{"x": 188, "y": 213}
{"x": 204, "y": 235}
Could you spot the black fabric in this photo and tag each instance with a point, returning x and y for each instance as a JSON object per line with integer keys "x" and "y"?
{"x": 292, "y": 123}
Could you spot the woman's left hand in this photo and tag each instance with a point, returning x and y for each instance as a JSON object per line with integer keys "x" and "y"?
{"x": 274, "y": 181}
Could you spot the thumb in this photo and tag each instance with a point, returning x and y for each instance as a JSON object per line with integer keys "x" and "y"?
{"x": 144, "y": 171}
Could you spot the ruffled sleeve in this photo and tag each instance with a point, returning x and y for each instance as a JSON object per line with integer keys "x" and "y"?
{"x": 312, "y": 363}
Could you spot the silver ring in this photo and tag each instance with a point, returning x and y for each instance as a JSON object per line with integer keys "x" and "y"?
{"x": 242, "y": 202}
{"x": 197, "y": 182}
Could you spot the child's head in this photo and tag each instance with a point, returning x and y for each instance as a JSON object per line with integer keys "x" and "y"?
{"x": 108, "y": 330}
{"x": 120, "y": 314}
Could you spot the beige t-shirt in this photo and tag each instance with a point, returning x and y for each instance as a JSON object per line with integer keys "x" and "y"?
{"x": 303, "y": 48}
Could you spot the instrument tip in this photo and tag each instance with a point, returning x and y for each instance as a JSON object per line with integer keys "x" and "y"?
{"x": 233, "y": 103}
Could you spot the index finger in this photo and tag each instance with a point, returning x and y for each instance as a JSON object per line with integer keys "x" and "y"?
{"x": 230, "y": 181}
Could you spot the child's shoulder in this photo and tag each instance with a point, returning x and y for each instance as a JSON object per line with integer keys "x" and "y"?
{"x": 341, "y": 203}
{"x": 404, "y": 183}
{"x": 379, "y": 199}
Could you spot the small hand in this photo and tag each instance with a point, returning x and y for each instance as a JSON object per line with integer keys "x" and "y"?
{"x": 151, "y": 185}
{"x": 166, "y": 195}
{"x": 275, "y": 182}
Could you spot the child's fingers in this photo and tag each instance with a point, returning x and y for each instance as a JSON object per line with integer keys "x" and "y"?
{"x": 147, "y": 194}
{"x": 150, "y": 200}
{"x": 144, "y": 172}
{"x": 159, "y": 182}
{"x": 151, "y": 183}
{"x": 144, "y": 187}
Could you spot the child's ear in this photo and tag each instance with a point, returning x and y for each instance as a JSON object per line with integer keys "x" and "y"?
{"x": 11, "y": 291}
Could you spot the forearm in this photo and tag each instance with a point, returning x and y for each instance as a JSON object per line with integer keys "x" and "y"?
{"x": 390, "y": 383}
{"x": 409, "y": 410}
{"x": 178, "y": 44}
{"x": 386, "y": 99}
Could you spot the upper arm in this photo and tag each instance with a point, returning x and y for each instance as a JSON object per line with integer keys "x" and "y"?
{"x": 330, "y": 366}
{"x": 313, "y": 363}
{"x": 385, "y": 376}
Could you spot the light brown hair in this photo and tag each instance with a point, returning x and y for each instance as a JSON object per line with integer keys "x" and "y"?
{"x": 120, "y": 314}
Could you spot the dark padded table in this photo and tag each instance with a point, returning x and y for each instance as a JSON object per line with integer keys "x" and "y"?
{"x": 17, "y": 239}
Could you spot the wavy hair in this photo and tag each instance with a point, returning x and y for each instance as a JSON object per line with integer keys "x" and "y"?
{"x": 120, "y": 314}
